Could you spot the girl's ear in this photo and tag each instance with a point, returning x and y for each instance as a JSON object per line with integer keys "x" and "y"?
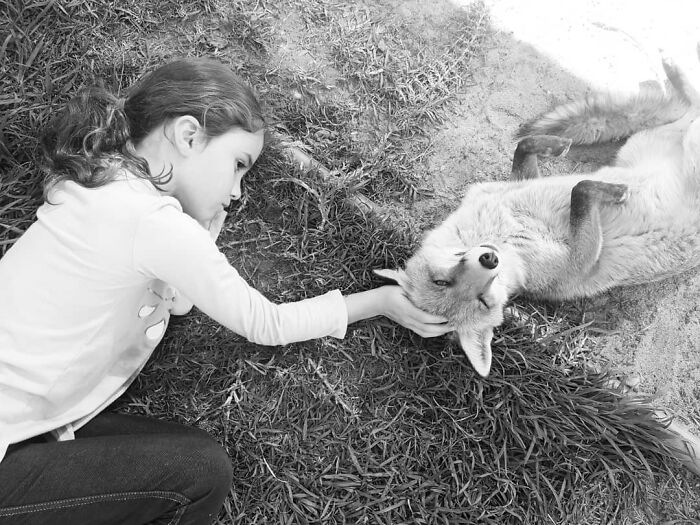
{"x": 188, "y": 135}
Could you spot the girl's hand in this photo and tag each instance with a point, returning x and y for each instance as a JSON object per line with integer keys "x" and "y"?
{"x": 216, "y": 224}
{"x": 391, "y": 302}
{"x": 398, "y": 308}
{"x": 180, "y": 305}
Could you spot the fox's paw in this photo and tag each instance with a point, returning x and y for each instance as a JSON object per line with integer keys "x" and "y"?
{"x": 599, "y": 191}
{"x": 530, "y": 148}
{"x": 650, "y": 88}
{"x": 616, "y": 193}
{"x": 674, "y": 74}
{"x": 545, "y": 145}
{"x": 670, "y": 67}
{"x": 680, "y": 82}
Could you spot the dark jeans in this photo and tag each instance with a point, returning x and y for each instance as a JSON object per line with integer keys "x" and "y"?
{"x": 120, "y": 469}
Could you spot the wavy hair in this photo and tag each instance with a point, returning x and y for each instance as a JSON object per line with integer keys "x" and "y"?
{"x": 96, "y": 133}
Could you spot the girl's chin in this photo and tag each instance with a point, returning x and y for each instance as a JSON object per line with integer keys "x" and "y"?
{"x": 205, "y": 218}
{"x": 202, "y": 218}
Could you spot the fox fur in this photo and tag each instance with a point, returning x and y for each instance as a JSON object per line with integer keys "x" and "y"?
{"x": 569, "y": 236}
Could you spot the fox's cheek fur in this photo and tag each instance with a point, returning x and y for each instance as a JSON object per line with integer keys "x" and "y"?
{"x": 474, "y": 311}
{"x": 474, "y": 318}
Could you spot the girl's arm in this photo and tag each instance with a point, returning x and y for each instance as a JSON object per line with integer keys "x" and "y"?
{"x": 181, "y": 304}
{"x": 391, "y": 302}
{"x": 173, "y": 247}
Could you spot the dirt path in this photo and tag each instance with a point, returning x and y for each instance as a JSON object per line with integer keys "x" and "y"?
{"x": 538, "y": 56}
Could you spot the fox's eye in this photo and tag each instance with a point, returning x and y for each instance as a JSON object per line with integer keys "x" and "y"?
{"x": 440, "y": 282}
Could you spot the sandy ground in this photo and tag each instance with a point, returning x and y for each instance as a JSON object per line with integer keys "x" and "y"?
{"x": 541, "y": 55}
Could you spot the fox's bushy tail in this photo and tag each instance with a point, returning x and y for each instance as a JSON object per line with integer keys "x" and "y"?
{"x": 605, "y": 117}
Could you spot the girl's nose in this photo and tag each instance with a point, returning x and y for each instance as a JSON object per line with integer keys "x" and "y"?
{"x": 236, "y": 191}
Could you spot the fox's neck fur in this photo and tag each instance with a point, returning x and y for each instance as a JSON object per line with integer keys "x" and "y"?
{"x": 524, "y": 265}
{"x": 513, "y": 274}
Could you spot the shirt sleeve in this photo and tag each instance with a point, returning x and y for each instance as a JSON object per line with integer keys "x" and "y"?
{"x": 171, "y": 246}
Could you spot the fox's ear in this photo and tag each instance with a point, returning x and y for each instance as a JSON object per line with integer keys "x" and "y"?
{"x": 477, "y": 345}
{"x": 398, "y": 276}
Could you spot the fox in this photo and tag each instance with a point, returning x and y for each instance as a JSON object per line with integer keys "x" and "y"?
{"x": 569, "y": 236}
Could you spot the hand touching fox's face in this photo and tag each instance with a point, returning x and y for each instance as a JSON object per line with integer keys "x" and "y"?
{"x": 463, "y": 286}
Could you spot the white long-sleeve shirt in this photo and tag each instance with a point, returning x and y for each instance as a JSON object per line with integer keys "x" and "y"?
{"x": 86, "y": 294}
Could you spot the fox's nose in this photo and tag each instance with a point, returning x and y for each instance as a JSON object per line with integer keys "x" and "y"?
{"x": 488, "y": 260}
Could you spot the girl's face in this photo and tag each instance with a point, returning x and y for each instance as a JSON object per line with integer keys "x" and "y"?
{"x": 209, "y": 178}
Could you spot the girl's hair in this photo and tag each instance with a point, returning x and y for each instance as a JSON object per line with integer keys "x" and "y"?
{"x": 96, "y": 132}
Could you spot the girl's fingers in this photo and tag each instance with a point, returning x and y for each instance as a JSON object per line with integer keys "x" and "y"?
{"x": 433, "y": 329}
{"x": 421, "y": 322}
{"x": 427, "y": 318}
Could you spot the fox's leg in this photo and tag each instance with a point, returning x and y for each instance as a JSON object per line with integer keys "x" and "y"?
{"x": 642, "y": 147}
{"x": 691, "y": 155}
{"x": 585, "y": 232}
{"x": 680, "y": 81}
{"x": 529, "y": 148}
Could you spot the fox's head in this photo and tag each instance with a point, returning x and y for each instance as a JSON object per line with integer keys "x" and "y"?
{"x": 465, "y": 287}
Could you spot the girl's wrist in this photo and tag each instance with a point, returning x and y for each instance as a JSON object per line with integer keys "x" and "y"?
{"x": 367, "y": 304}
{"x": 383, "y": 300}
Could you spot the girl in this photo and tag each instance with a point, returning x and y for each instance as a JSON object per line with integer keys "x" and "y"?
{"x": 136, "y": 193}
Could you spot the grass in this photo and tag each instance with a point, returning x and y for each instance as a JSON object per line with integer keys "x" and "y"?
{"x": 381, "y": 427}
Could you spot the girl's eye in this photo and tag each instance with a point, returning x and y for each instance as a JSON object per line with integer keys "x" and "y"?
{"x": 440, "y": 282}
{"x": 240, "y": 165}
